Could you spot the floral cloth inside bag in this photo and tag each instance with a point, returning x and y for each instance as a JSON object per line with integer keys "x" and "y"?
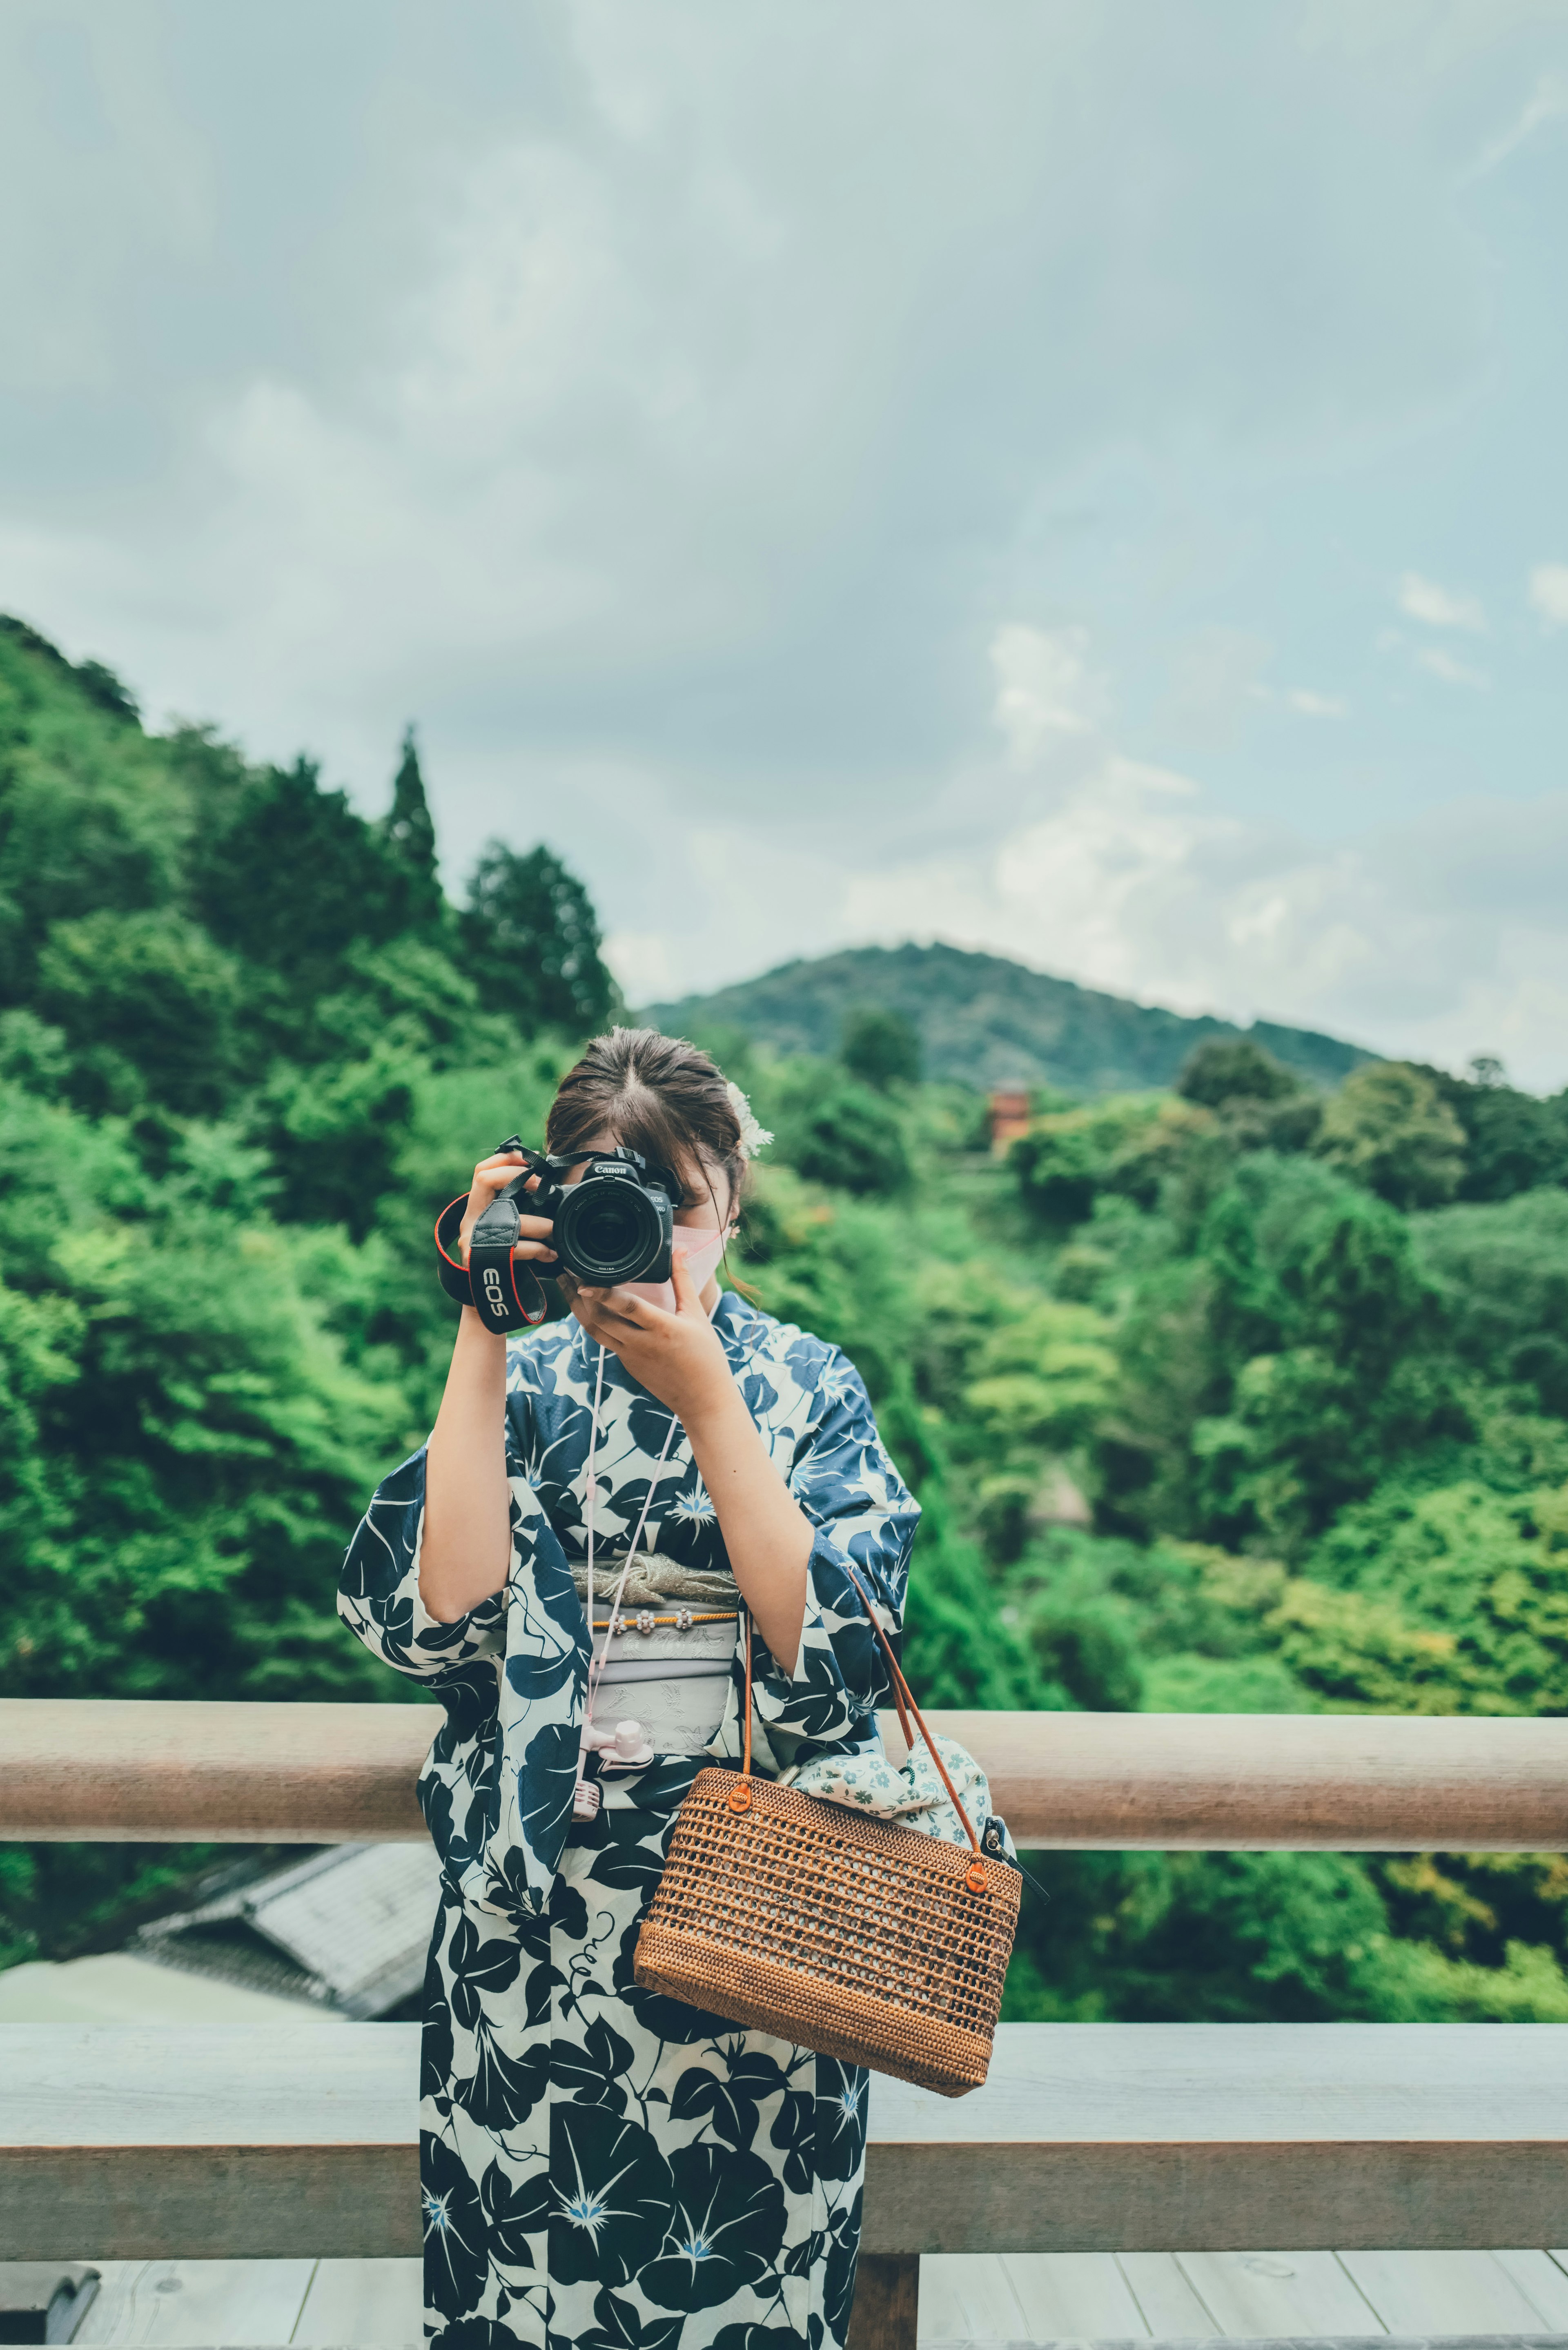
{"x": 910, "y": 1793}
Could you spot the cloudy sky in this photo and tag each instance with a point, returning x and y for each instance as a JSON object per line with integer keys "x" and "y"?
{"x": 1087, "y": 480}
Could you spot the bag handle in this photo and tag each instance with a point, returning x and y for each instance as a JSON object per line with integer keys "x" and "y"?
{"x": 740, "y": 1794}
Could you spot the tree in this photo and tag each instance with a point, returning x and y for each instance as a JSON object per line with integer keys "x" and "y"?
{"x": 1513, "y": 1140}
{"x": 151, "y": 990}
{"x": 1223, "y": 1069}
{"x": 1281, "y": 1369}
{"x": 531, "y": 942}
{"x": 108, "y": 691}
{"x": 1504, "y": 1271}
{"x": 289, "y": 877}
{"x": 409, "y": 834}
{"x": 1262, "y": 1105}
{"x": 850, "y": 1138}
{"x": 89, "y": 817}
{"x": 882, "y": 1049}
{"x": 1388, "y": 1127}
{"x": 1129, "y": 1147}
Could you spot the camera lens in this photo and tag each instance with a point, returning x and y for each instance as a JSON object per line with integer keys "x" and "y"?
{"x": 606, "y": 1231}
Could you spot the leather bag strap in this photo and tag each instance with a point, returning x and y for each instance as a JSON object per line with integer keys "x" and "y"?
{"x": 903, "y": 1698}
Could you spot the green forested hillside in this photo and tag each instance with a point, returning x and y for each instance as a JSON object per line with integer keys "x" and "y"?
{"x": 1237, "y": 1396}
{"x": 985, "y": 1020}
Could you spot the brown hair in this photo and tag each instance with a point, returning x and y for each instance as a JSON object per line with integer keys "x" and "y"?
{"x": 655, "y": 1094}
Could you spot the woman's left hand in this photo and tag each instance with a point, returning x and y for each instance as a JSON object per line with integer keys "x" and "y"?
{"x": 676, "y": 1356}
{"x": 680, "y": 1358}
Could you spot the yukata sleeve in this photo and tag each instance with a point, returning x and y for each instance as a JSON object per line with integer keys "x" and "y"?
{"x": 864, "y": 1517}
{"x": 379, "y": 1590}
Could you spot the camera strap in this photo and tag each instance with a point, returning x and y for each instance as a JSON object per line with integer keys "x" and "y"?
{"x": 489, "y": 1280}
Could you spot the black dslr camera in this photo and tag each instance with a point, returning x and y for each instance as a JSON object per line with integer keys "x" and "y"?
{"x": 612, "y": 1224}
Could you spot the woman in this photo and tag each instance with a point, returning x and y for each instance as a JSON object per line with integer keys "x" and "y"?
{"x": 602, "y": 2166}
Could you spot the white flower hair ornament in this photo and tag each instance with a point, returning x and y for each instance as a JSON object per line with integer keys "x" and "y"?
{"x": 754, "y": 1138}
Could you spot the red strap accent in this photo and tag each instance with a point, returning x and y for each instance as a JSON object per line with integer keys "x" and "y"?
{"x": 532, "y": 1317}
{"x": 456, "y": 1262}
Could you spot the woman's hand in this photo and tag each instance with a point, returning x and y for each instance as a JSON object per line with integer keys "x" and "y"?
{"x": 490, "y": 1177}
{"x": 679, "y": 1358}
{"x": 676, "y": 1356}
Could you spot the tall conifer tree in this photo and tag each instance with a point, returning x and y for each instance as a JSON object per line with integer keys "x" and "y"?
{"x": 531, "y": 939}
{"x": 410, "y": 835}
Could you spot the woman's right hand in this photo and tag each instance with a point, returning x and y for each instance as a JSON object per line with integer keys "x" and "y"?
{"x": 491, "y": 1176}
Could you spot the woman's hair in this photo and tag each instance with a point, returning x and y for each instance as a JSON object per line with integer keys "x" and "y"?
{"x": 657, "y": 1095}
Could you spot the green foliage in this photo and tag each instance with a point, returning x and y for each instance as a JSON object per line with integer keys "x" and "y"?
{"x": 843, "y": 1134}
{"x": 1225, "y": 1937}
{"x": 1224, "y": 1069}
{"x": 1453, "y": 1600}
{"x": 882, "y": 1048}
{"x": 1513, "y": 1140}
{"x": 409, "y": 834}
{"x": 531, "y": 944}
{"x": 1390, "y": 1128}
{"x": 287, "y": 876}
{"x": 1044, "y": 1380}
{"x": 145, "y": 1000}
{"x": 194, "y": 1440}
{"x": 1062, "y": 1164}
{"x": 1411, "y": 1982}
{"x": 1260, "y": 1104}
{"x": 1132, "y": 1149}
{"x": 1502, "y": 1272}
{"x": 1239, "y": 1400}
{"x": 186, "y": 922}
{"x": 838, "y": 1266}
{"x": 1277, "y": 1371}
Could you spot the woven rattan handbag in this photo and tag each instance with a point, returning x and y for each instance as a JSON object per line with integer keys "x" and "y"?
{"x": 803, "y": 1919}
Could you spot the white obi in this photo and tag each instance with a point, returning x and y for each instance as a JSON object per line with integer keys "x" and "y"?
{"x": 674, "y": 1683}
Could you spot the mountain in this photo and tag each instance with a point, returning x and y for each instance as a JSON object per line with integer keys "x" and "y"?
{"x": 985, "y": 1021}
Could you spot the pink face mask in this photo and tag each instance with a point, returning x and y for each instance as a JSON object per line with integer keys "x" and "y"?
{"x": 699, "y": 1246}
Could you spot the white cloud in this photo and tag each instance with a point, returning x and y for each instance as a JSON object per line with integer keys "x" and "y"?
{"x": 1309, "y": 704}
{"x": 1043, "y": 688}
{"x": 1440, "y": 941}
{"x": 1549, "y": 593}
{"x": 1547, "y": 102}
{"x": 1439, "y": 663}
{"x": 1439, "y": 607}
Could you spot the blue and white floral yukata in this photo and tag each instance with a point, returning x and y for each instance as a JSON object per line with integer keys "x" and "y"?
{"x": 601, "y": 2165}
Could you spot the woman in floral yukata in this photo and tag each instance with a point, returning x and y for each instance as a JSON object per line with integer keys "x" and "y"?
{"x": 602, "y": 2166}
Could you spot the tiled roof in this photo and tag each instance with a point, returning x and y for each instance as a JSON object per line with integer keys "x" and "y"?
{"x": 346, "y": 1930}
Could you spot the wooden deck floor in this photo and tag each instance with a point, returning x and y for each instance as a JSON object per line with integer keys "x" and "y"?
{"x": 1016, "y": 2298}
{"x": 1238, "y": 2297}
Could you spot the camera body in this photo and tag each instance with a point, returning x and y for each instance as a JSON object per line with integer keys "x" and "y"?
{"x": 613, "y": 1224}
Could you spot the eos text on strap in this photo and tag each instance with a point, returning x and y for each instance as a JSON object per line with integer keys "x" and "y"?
{"x": 613, "y": 1224}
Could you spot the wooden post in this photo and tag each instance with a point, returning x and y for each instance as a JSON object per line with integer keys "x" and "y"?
{"x": 887, "y": 2302}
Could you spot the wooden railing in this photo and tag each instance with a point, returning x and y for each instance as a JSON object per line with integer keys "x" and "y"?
{"x": 111, "y": 1770}
{"x": 139, "y": 2144}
